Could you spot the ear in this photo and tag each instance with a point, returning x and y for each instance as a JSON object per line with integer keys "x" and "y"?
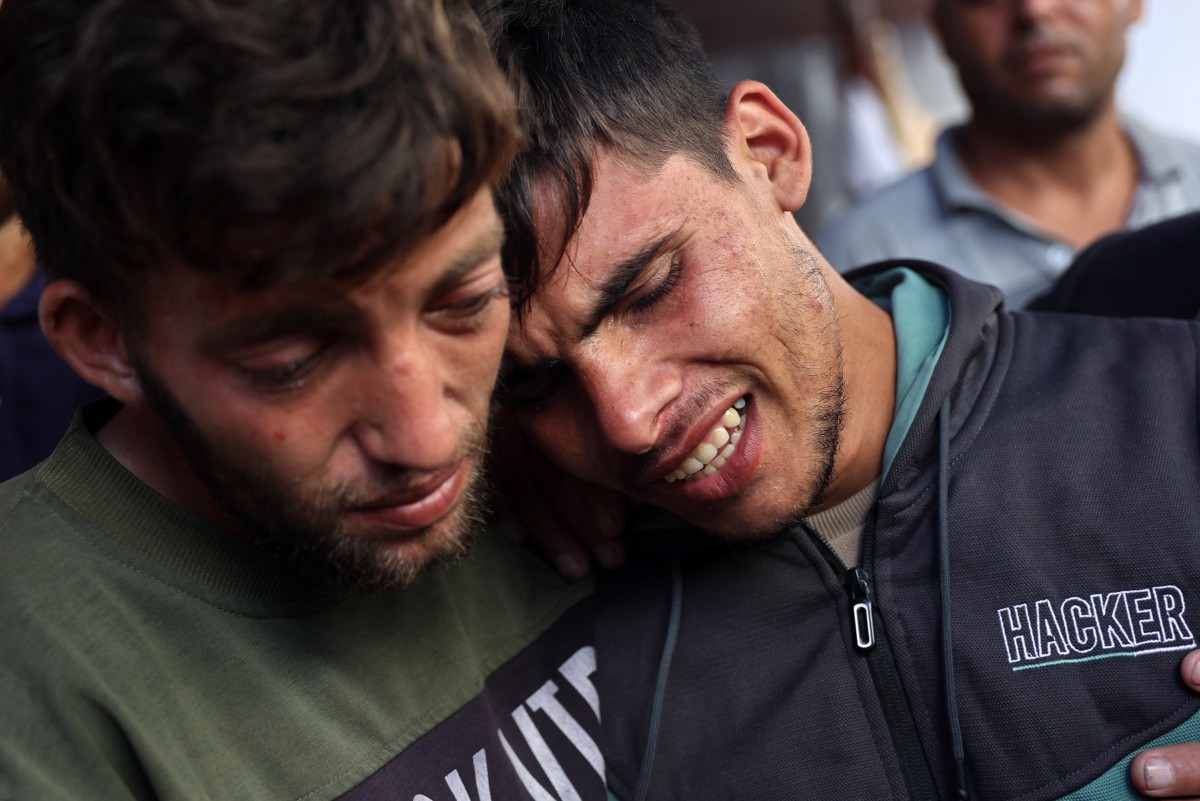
{"x": 85, "y": 336}
{"x": 766, "y": 134}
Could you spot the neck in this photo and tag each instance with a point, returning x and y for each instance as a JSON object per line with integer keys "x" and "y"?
{"x": 869, "y": 371}
{"x": 136, "y": 438}
{"x": 1076, "y": 185}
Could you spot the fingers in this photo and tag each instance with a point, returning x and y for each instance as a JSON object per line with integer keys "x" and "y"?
{"x": 574, "y": 524}
{"x": 1190, "y": 670}
{"x": 560, "y": 543}
{"x": 525, "y": 517}
{"x": 1169, "y": 772}
{"x": 1172, "y": 771}
{"x": 570, "y": 521}
{"x": 597, "y": 516}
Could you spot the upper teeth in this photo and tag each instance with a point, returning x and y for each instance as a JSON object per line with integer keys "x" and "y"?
{"x": 710, "y": 455}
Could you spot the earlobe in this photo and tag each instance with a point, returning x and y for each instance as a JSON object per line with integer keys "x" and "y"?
{"x": 767, "y": 133}
{"x": 88, "y": 340}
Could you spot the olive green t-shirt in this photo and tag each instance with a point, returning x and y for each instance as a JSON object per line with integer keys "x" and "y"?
{"x": 145, "y": 654}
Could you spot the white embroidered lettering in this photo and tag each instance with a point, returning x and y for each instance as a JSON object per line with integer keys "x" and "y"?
{"x": 531, "y": 784}
{"x": 1170, "y": 603}
{"x": 545, "y": 757}
{"x": 483, "y": 787}
{"x": 1081, "y": 625}
{"x": 578, "y": 672}
{"x": 1122, "y": 623}
{"x": 1018, "y": 638}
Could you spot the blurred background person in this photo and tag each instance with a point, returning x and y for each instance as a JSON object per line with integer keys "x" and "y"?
{"x": 867, "y": 76}
{"x": 1043, "y": 166}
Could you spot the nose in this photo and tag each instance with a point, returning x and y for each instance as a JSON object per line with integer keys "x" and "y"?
{"x": 1029, "y": 10}
{"x": 629, "y": 395}
{"x": 408, "y": 416}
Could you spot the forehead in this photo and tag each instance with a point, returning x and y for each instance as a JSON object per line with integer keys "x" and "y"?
{"x": 185, "y": 297}
{"x": 638, "y": 219}
{"x": 630, "y": 206}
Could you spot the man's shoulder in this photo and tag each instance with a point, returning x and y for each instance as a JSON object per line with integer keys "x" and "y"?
{"x": 1109, "y": 333}
{"x": 1115, "y": 379}
{"x": 1148, "y": 271}
{"x": 36, "y": 531}
{"x": 168, "y": 661}
{"x": 887, "y": 224}
{"x": 1187, "y": 148}
{"x": 1164, "y": 144}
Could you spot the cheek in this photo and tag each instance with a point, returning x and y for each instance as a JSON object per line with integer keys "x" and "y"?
{"x": 980, "y": 40}
{"x": 492, "y": 339}
{"x": 718, "y": 316}
{"x": 296, "y": 435}
{"x": 487, "y": 357}
{"x": 472, "y": 363}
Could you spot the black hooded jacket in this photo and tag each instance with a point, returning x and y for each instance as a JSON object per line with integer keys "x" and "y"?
{"x": 1044, "y": 507}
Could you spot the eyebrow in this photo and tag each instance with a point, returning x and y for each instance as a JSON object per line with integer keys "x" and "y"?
{"x": 270, "y": 326}
{"x": 481, "y": 248}
{"x": 258, "y": 329}
{"x": 617, "y": 284}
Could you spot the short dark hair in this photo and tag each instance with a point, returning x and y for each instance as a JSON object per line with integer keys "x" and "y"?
{"x": 627, "y": 75}
{"x": 270, "y": 141}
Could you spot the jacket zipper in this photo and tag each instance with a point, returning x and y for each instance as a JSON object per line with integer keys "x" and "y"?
{"x": 862, "y": 610}
{"x": 871, "y": 642}
{"x": 882, "y": 664}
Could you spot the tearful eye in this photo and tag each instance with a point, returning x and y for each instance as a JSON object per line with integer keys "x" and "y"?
{"x": 661, "y": 291}
{"x": 477, "y": 303}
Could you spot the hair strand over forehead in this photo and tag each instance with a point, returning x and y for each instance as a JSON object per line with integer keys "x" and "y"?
{"x": 278, "y": 140}
{"x": 629, "y": 76}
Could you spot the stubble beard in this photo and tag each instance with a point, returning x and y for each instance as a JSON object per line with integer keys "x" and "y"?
{"x": 1040, "y": 119}
{"x": 825, "y": 418}
{"x": 828, "y": 408}
{"x": 304, "y": 527}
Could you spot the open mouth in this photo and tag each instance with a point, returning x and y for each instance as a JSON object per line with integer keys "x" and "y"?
{"x": 710, "y": 455}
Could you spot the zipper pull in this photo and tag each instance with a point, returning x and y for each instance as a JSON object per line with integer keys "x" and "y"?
{"x": 861, "y": 611}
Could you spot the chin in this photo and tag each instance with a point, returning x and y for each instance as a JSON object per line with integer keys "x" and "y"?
{"x": 732, "y": 526}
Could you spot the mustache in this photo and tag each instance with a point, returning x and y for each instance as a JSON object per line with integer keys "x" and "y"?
{"x": 389, "y": 480}
{"x": 1038, "y": 37}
